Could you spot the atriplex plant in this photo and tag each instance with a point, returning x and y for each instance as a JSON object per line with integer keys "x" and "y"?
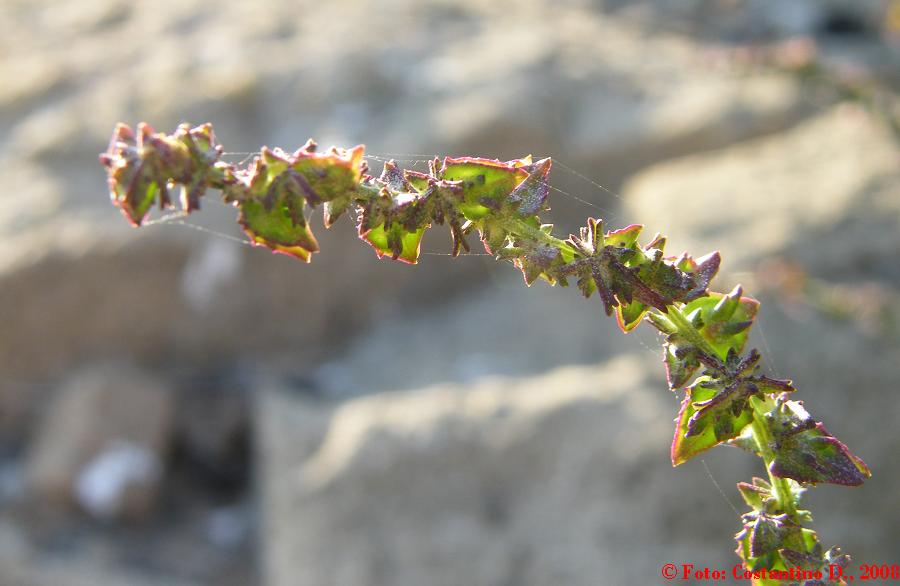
{"x": 703, "y": 332}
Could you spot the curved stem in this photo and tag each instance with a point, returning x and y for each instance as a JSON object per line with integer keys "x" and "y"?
{"x": 142, "y": 166}
{"x": 522, "y": 229}
{"x": 781, "y": 487}
{"x": 687, "y": 331}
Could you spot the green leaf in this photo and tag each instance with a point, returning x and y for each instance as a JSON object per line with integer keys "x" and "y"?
{"x": 330, "y": 175}
{"x": 136, "y": 200}
{"x": 727, "y": 305}
{"x": 486, "y": 183}
{"x": 418, "y": 181}
{"x": 538, "y": 262}
{"x": 758, "y": 494}
{"x": 332, "y": 210}
{"x": 708, "y": 417}
{"x": 394, "y": 221}
{"x": 661, "y": 323}
{"x": 278, "y": 228}
{"x": 140, "y": 167}
{"x": 395, "y": 242}
{"x": 624, "y": 237}
{"x": 681, "y": 364}
{"x": 629, "y": 315}
{"x": 273, "y": 214}
{"x": 726, "y": 331}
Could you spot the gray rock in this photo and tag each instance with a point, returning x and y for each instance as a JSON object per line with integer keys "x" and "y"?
{"x": 21, "y": 564}
{"x": 825, "y": 194}
{"x": 102, "y": 444}
{"x": 554, "y": 479}
{"x": 754, "y": 20}
{"x": 501, "y": 329}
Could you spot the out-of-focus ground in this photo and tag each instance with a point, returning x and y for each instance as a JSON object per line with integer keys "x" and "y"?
{"x": 179, "y": 408}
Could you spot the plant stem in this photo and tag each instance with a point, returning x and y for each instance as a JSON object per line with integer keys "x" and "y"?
{"x": 687, "y": 331}
{"x": 629, "y": 278}
{"x": 781, "y": 487}
{"x": 521, "y": 228}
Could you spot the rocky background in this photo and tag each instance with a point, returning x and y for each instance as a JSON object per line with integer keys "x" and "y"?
{"x": 177, "y": 407}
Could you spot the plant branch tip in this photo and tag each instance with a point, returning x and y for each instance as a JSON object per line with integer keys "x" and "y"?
{"x": 725, "y": 397}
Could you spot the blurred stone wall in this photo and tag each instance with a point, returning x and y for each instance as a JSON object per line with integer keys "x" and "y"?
{"x": 513, "y": 436}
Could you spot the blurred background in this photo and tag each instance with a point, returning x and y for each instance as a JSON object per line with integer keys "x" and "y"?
{"x": 178, "y": 407}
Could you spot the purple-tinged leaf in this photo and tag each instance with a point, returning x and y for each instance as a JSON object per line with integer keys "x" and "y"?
{"x": 141, "y": 167}
{"x": 713, "y": 413}
{"x": 804, "y": 561}
{"x": 531, "y": 194}
{"x": 273, "y": 215}
{"x": 807, "y": 453}
{"x": 331, "y": 177}
{"x": 707, "y": 267}
{"x": 772, "y": 386}
{"x": 538, "y": 262}
{"x": 814, "y": 456}
{"x": 769, "y": 561}
{"x": 630, "y": 285}
{"x": 669, "y": 283}
{"x": 395, "y": 179}
{"x": 766, "y": 534}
